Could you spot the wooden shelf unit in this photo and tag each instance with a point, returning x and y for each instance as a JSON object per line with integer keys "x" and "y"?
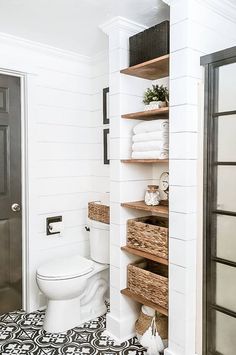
{"x": 145, "y": 255}
{"x": 148, "y": 115}
{"x": 143, "y": 300}
{"x": 160, "y": 210}
{"x": 147, "y": 161}
{"x": 152, "y": 69}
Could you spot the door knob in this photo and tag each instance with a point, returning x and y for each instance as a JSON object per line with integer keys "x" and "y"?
{"x": 15, "y": 207}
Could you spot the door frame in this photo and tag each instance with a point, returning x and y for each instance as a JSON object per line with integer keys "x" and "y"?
{"x": 24, "y": 180}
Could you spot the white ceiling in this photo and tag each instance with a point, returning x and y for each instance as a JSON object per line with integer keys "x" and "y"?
{"x": 73, "y": 24}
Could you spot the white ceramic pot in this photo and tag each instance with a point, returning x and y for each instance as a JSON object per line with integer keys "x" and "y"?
{"x": 152, "y": 106}
{"x": 155, "y": 105}
{"x": 161, "y": 104}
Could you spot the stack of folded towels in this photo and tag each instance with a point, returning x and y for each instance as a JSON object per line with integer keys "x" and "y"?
{"x": 151, "y": 140}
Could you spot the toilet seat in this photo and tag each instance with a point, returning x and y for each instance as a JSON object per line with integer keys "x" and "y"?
{"x": 65, "y": 268}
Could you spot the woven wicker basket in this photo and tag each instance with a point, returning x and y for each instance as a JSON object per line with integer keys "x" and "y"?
{"x": 149, "y": 234}
{"x": 144, "y": 322}
{"x": 99, "y": 212}
{"x": 149, "y": 280}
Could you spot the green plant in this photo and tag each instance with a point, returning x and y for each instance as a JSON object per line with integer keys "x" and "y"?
{"x": 156, "y": 93}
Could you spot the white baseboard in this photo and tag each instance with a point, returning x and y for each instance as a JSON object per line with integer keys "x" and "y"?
{"x": 118, "y": 341}
{"x": 120, "y": 329}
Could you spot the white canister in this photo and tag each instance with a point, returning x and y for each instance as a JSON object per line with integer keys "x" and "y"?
{"x": 152, "y": 196}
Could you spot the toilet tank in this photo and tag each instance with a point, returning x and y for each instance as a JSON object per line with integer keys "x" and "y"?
{"x": 99, "y": 242}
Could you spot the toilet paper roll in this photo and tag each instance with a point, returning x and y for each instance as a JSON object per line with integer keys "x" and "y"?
{"x": 56, "y": 227}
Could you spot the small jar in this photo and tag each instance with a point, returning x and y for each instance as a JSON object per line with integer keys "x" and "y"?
{"x": 152, "y": 195}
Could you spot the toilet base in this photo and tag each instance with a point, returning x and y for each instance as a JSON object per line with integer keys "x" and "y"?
{"x": 62, "y": 315}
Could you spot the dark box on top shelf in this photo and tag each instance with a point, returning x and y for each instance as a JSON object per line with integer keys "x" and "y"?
{"x": 149, "y": 44}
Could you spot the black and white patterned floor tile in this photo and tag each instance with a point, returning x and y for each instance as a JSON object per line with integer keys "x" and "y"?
{"x": 21, "y": 333}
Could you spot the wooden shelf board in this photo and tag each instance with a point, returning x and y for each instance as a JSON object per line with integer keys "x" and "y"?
{"x": 135, "y": 161}
{"x": 142, "y": 300}
{"x": 152, "y": 69}
{"x": 149, "y": 115}
{"x": 161, "y": 211}
{"x": 145, "y": 255}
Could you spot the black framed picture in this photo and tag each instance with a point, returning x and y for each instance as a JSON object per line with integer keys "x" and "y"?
{"x": 106, "y": 106}
{"x": 106, "y": 146}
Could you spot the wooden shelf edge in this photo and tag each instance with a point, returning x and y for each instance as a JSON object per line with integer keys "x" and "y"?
{"x": 147, "y": 161}
{"x": 145, "y": 255}
{"x": 153, "y": 69}
{"x": 150, "y": 114}
{"x": 148, "y": 62}
{"x": 142, "y": 300}
{"x": 160, "y": 210}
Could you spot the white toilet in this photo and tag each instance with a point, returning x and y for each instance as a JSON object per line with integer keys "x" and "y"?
{"x": 76, "y": 286}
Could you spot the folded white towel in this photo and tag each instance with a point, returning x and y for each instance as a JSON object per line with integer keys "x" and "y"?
{"x": 151, "y": 126}
{"x": 153, "y": 154}
{"x": 150, "y": 136}
{"x": 148, "y": 146}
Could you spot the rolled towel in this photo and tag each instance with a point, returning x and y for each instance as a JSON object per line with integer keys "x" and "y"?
{"x": 158, "y": 154}
{"x": 151, "y": 126}
{"x": 150, "y": 136}
{"x": 148, "y": 146}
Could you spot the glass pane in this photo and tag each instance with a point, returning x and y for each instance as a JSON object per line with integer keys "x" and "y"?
{"x": 226, "y": 238}
{"x": 226, "y": 138}
{"x": 227, "y": 89}
{"x": 226, "y": 286}
{"x": 225, "y": 334}
{"x": 2, "y": 159}
{"x": 226, "y": 191}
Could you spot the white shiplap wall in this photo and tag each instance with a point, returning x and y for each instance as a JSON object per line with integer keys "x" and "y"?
{"x": 65, "y": 145}
{"x": 197, "y": 28}
{"x": 100, "y": 176}
{"x": 62, "y": 145}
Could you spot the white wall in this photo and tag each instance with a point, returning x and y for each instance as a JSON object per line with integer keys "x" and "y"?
{"x": 100, "y": 176}
{"x": 63, "y": 145}
{"x": 197, "y": 28}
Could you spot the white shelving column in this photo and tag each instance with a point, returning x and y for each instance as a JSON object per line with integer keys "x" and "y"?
{"x": 197, "y": 28}
{"x": 127, "y": 182}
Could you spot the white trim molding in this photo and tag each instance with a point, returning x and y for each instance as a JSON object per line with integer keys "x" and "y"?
{"x": 103, "y": 55}
{"x": 43, "y": 48}
{"x": 121, "y": 23}
{"x": 225, "y": 8}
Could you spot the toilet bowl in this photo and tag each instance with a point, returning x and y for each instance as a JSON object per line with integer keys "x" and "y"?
{"x": 76, "y": 286}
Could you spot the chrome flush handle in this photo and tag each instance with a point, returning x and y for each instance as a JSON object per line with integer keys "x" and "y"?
{"x": 15, "y": 207}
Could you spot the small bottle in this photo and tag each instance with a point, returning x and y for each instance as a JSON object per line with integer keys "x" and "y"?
{"x": 152, "y": 195}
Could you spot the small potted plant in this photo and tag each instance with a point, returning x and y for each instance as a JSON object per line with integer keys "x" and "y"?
{"x": 156, "y": 97}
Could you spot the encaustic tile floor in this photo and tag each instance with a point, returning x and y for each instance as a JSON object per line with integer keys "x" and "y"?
{"x": 21, "y": 333}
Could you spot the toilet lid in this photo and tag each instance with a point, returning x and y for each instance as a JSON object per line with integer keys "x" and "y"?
{"x": 65, "y": 268}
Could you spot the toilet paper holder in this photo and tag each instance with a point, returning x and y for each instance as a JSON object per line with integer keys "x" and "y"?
{"x": 52, "y": 220}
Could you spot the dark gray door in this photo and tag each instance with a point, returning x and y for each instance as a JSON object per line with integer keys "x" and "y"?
{"x": 10, "y": 195}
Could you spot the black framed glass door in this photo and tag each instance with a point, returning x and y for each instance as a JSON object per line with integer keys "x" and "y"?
{"x": 219, "y": 299}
